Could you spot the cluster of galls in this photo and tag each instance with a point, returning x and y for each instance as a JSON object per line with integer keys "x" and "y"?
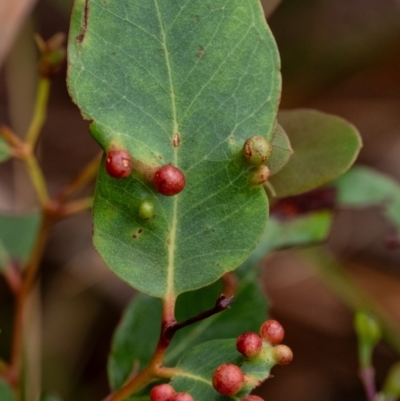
{"x": 165, "y": 392}
{"x": 168, "y": 180}
{"x": 257, "y": 151}
{"x": 228, "y": 379}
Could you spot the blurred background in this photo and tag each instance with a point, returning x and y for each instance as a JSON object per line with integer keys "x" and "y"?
{"x": 338, "y": 56}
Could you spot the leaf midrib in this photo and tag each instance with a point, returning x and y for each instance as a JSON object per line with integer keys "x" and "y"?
{"x": 172, "y": 236}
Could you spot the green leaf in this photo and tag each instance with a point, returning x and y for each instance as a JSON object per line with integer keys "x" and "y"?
{"x": 5, "y": 151}
{"x": 17, "y": 235}
{"x": 281, "y": 151}
{"x": 150, "y": 72}
{"x": 302, "y": 230}
{"x": 198, "y": 365}
{"x": 6, "y": 393}
{"x": 364, "y": 187}
{"x": 136, "y": 337}
{"x": 324, "y": 147}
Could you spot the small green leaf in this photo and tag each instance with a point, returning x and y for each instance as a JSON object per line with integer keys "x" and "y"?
{"x": 17, "y": 235}
{"x": 136, "y": 337}
{"x": 364, "y": 187}
{"x": 324, "y": 147}
{"x": 198, "y": 365}
{"x": 281, "y": 150}
{"x": 183, "y": 82}
{"x": 6, "y": 393}
{"x": 5, "y": 152}
{"x": 369, "y": 333}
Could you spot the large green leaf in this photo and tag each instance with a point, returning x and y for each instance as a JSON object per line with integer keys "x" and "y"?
{"x": 5, "y": 152}
{"x": 6, "y": 393}
{"x": 324, "y": 147}
{"x": 364, "y": 187}
{"x": 136, "y": 337}
{"x": 198, "y": 365}
{"x": 17, "y": 235}
{"x": 149, "y": 72}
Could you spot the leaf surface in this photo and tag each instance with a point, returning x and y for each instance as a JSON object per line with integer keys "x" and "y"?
{"x": 136, "y": 337}
{"x": 281, "y": 151}
{"x": 5, "y": 152}
{"x": 6, "y": 393}
{"x": 183, "y": 82}
{"x": 364, "y": 187}
{"x": 198, "y": 365}
{"x": 325, "y": 146}
{"x": 17, "y": 235}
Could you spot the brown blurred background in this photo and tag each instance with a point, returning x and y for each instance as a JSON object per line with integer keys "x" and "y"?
{"x": 338, "y": 56}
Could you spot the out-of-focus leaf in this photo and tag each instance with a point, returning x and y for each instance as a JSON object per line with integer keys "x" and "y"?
{"x": 301, "y": 230}
{"x": 12, "y": 16}
{"x": 5, "y": 152}
{"x": 136, "y": 337}
{"x": 324, "y": 146}
{"x": 6, "y": 393}
{"x": 363, "y": 187}
{"x": 17, "y": 235}
{"x": 270, "y": 6}
{"x": 198, "y": 365}
{"x": 281, "y": 151}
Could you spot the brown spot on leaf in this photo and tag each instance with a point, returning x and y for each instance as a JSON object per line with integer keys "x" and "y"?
{"x": 201, "y": 52}
{"x": 81, "y": 36}
{"x": 176, "y": 140}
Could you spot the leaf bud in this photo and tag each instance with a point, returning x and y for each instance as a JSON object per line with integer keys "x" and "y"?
{"x": 367, "y": 328}
{"x": 391, "y": 388}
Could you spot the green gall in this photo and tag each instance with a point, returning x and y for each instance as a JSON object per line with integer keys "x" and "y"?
{"x": 257, "y": 150}
{"x": 283, "y": 355}
{"x": 260, "y": 175}
{"x": 146, "y": 209}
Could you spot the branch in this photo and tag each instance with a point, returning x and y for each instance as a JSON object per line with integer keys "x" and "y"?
{"x": 87, "y": 174}
{"x": 367, "y": 376}
{"x": 221, "y": 304}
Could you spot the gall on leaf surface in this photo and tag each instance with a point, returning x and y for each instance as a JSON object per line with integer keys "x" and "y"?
{"x": 247, "y": 312}
{"x": 184, "y": 82}
{"x": 197, "y": 366}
